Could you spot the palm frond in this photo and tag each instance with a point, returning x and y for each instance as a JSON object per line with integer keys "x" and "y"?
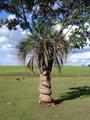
{"x": 52, "y": 49}
{"x": 24, "y": 48}
{"x": 30, "y": 64}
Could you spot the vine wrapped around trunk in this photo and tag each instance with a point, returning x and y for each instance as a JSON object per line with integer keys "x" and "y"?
{"x": 45, "y": 87}
{"x": 45, "y": 80}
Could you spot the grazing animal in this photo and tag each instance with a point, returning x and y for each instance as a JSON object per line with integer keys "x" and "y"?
{"x": 18, "y": 78}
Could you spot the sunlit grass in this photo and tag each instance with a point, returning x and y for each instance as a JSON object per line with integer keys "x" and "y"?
{"x": 19, "y": 99}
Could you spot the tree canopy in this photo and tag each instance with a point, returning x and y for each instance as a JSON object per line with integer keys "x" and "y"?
{"x": 64, "y": 12}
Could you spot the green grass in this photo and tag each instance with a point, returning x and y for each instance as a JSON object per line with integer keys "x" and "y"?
{"x": 19, "y": 99}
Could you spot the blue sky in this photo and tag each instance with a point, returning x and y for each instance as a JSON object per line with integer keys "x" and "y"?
{"x": 9, "y": 40}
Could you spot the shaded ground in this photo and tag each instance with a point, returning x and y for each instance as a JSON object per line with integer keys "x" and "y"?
{"x": 74, "y": 93}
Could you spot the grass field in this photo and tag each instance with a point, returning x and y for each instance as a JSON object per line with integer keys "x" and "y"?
{"x": 19, "y": 99}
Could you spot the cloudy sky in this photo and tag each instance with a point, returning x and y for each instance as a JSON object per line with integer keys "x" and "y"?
{"x": 9, "y": 39}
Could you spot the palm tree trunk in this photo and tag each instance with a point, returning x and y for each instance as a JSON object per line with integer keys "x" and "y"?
{"x": 45, "y": 79}
{"x": 45, "y": 87}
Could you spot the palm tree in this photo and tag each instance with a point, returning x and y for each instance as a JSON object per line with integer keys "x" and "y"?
{"x": 43, "y": 49}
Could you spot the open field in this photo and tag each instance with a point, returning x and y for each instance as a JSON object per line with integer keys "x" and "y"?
{"x": 19, "y": 99}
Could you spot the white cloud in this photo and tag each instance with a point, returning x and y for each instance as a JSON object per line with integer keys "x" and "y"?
{"x": 84, "y": 55}
{"x": 6, "y": 48}
{"x": 68, "y": 31}
{"x": 79, "y": 58}
{"x": 4, "y": 31}
{"x": 11, "y": 16}
{"x": 3, "y": 39}
{"x": 8, "y": 41}
{"x": 7, "y": 60}
{"x": 10, "y": 57}
{"x": 57, "y": 27}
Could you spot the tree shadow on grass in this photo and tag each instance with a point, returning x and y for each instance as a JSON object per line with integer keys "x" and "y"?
{"x": 74, "y": 93}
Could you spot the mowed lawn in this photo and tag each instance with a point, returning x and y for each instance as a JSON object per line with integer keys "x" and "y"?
{"x": 19, "y": 99}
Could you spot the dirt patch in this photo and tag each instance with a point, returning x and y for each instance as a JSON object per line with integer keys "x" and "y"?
{"x": 52, "y": 105}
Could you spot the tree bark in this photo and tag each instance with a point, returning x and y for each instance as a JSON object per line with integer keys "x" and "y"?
{"x": 45, "y": 79}
{"x": 45, "y": 87}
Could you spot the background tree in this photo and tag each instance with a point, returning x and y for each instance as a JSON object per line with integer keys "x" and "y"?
{"x": 39, "y": 16}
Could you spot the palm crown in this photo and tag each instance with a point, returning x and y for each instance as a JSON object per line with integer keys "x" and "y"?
{"x": 44, "y": 47}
